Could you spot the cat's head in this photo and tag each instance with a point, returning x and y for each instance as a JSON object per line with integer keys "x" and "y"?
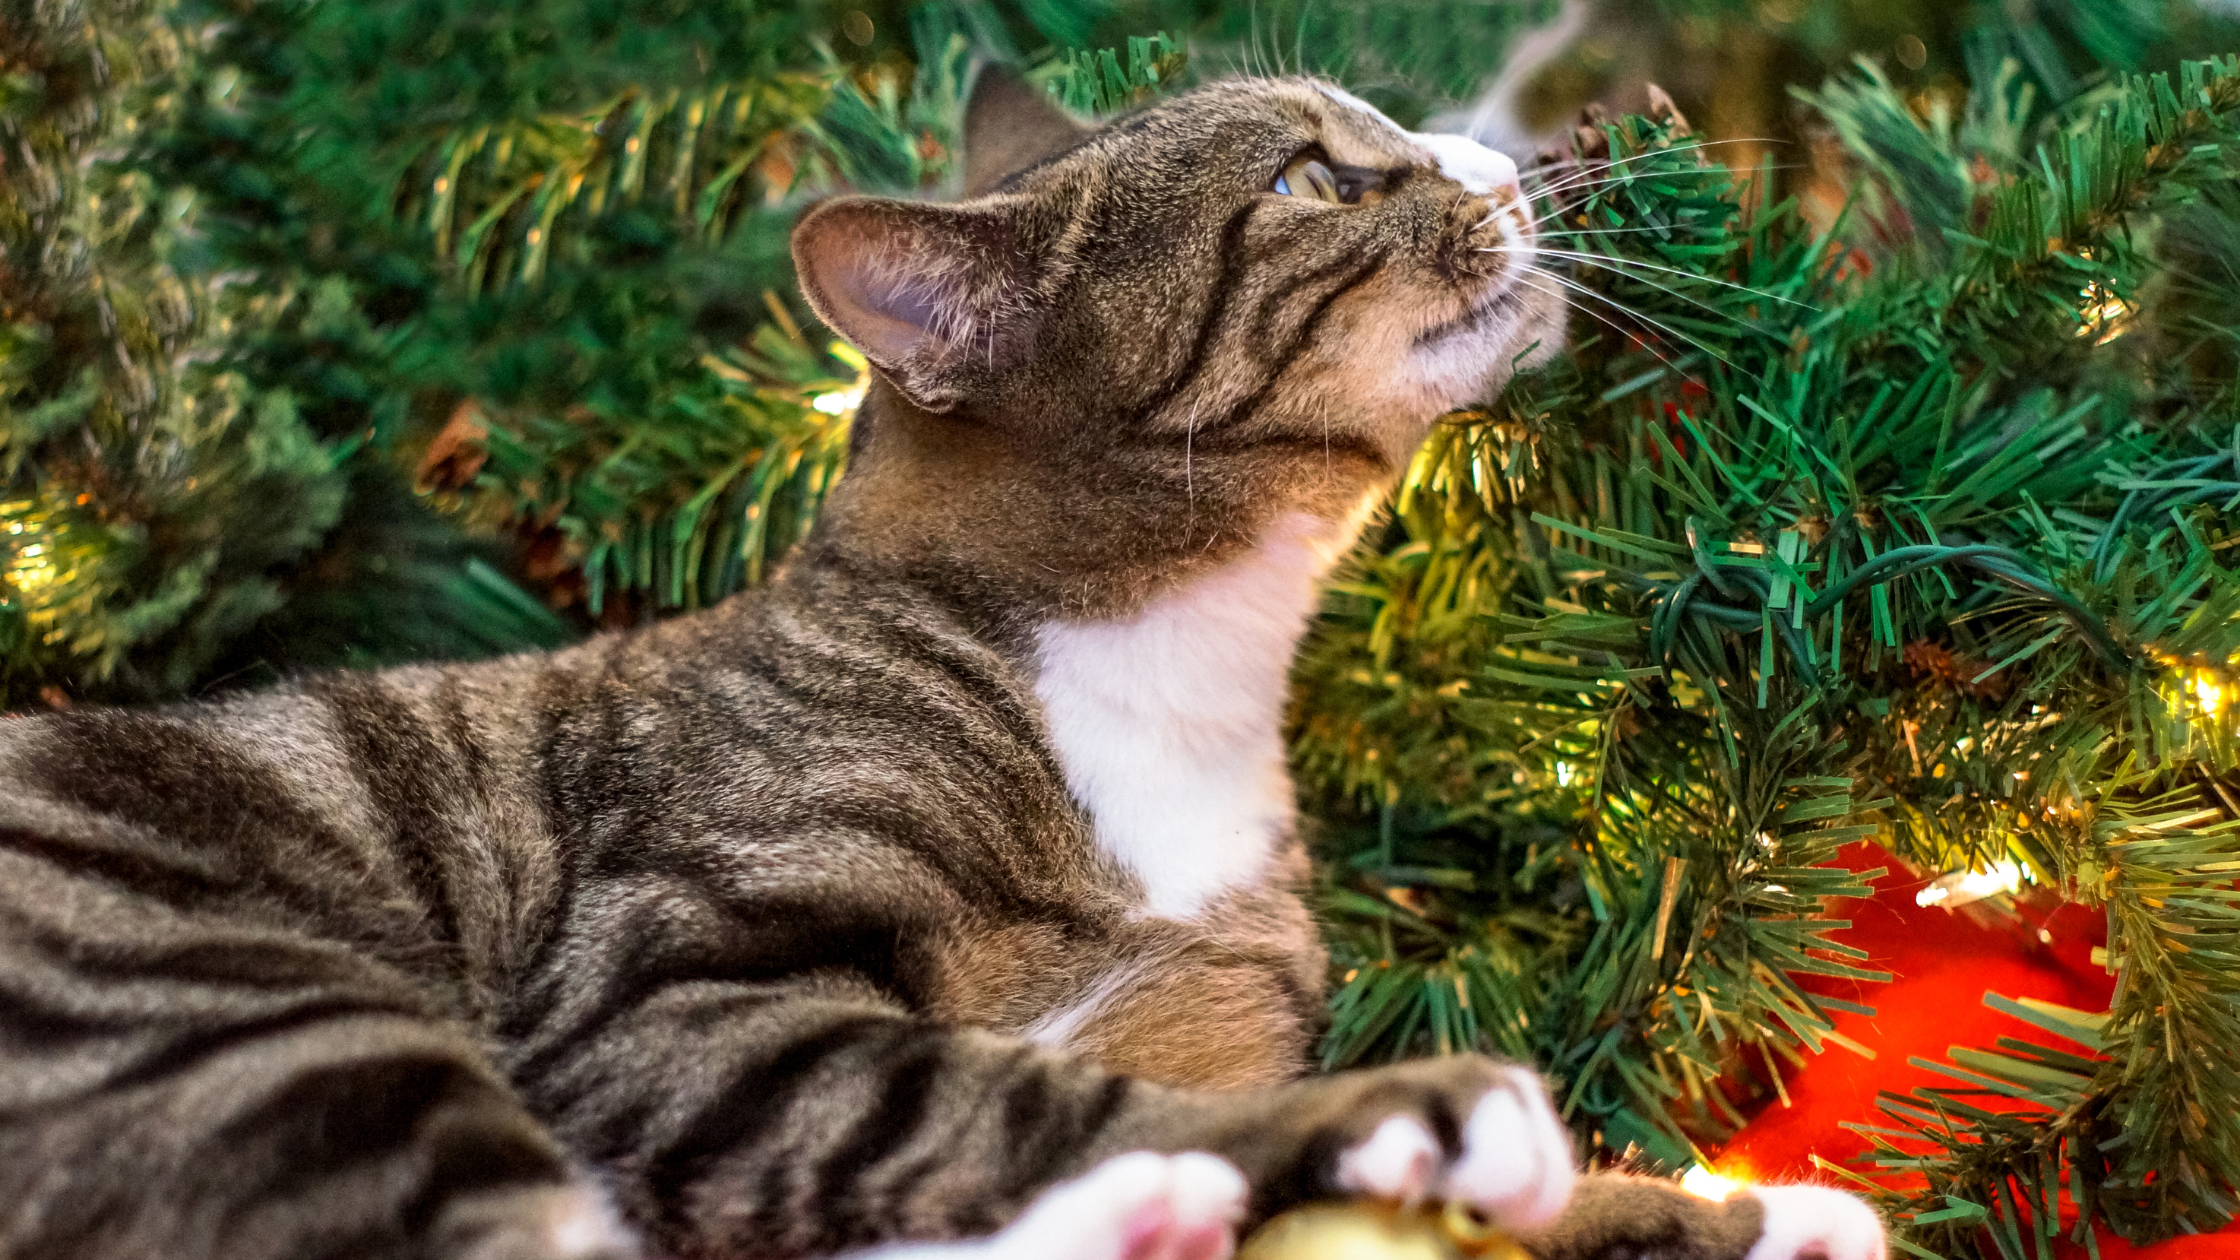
{"x": 1256, "y": 295}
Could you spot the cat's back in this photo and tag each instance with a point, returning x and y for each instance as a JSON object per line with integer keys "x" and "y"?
{"x": 394, "y": 815}
{"x": 823, "y": 720}
{"x": 836, "y": 761}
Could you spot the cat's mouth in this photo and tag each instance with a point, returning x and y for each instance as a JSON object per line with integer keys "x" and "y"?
{"x": 1494, "y": 244}
{"x": 1501, "y": 302}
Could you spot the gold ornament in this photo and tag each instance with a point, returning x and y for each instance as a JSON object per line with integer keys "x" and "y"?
{"x": 1370, "y": 1230}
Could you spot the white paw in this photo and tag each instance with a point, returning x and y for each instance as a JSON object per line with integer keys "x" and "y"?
{"x": 1816, "y": 1223}
{"x": 1138, "y": 1206}
{"x": 1516, "y": 1164}
{"x": 564, "y": 1222}
{"x": 583, "y": 1224}
{"x": 1400, "y": 1161}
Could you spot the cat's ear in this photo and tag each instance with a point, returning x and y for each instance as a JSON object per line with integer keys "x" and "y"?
{"x": 1008, "y": 127}
{"x": 923, "y": 290}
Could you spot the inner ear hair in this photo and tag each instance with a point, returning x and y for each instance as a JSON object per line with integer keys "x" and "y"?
{"x": 916, "y": 286}
{"x": 1009, "y": 126}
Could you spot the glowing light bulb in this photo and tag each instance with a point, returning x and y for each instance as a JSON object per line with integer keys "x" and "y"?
{"x": 1706, "y": 1184}
{"x": 1958, "y": 888}
{"x": 840, "y": 401}
{"x": 2211, "y": 695}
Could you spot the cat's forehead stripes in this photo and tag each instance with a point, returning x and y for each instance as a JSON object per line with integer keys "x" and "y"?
{"x": 1232, "y": 128}
{"x": 1359, "y": 134}
{"x": 1253, "y": 312}
{"x": 1477, "y": 168}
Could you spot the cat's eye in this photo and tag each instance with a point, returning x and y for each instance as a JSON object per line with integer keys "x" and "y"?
{"x": 1311, "y": 177}
{"x": 1306, "y": 177}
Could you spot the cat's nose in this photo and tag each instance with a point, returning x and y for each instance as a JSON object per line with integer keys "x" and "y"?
{"x": 1477, "y": 168}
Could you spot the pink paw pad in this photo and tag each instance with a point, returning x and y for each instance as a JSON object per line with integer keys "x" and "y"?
{"x": 1155, "y": 1233}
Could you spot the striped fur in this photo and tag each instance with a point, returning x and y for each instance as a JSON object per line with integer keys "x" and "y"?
{"x": 791, "y": 927}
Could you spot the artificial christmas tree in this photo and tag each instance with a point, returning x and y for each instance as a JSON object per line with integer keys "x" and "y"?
{"x": 1779, "y": 568}
{"x": 1883, "y": 493}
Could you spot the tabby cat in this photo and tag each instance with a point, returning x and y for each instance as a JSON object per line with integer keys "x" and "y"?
{"x": 956, "y": 865}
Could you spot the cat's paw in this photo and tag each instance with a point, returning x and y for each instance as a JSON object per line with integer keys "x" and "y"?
{"x": 1515, "y": 1162}
{"x": 1816, "y": 1223}
{"x": 1138, "y": 1206}
{"x": 565, "y": 1222}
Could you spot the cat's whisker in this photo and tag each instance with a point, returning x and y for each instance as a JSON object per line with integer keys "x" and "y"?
{"x": 1189, "y": 481}
{"x": 1687, "y": 147}
{"x": 1589, "y": 185}
{"x": 1615, "y": 263}
{"x": 1584, "y": 178}
{"x": 1556, "y": 209}
{"x": 1593, "y": 170}
{"x": 1587, "y": 178}
{"x": 1628, "y": 311}
{"x": 1605, "y": 260}
{"x": 1299, "y": 41}
{"x": 1526, "y": 278}
{"x": 1530, "y": 274}
{"x": 1695, "y": 146}
{"x": 1659, "y": 287}
{"x": 1620, "y": 231}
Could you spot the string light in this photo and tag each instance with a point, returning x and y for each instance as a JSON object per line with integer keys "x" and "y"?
{"x": 1706, "y": 1184}
{"x": 2210, "y": 692}
{"x": 30, "y": 564}
{"x": 1959, "y": 888}
{"x": 840, "y": 402}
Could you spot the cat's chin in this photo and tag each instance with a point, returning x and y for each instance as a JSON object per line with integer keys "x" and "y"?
{"x": 1513, "y": 328}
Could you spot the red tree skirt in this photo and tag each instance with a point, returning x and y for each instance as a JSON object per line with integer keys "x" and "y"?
{"x": 1944, "y": 961}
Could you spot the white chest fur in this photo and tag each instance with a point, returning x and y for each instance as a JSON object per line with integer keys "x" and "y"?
{"x": 1168, "y": 723}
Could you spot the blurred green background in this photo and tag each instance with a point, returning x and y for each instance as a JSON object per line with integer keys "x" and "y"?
{"x": 347, "y": 333}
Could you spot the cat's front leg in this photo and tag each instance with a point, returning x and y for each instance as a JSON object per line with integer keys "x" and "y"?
{"x": 1137, "y": 1206}
{"x": 1145, "y": 1206}
{"x": 1514, "y": 1161}
{"x": 1469, "y": 1129}
{"x": 1511, "y": 1159}
{"x": 1462, "y": 1128}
